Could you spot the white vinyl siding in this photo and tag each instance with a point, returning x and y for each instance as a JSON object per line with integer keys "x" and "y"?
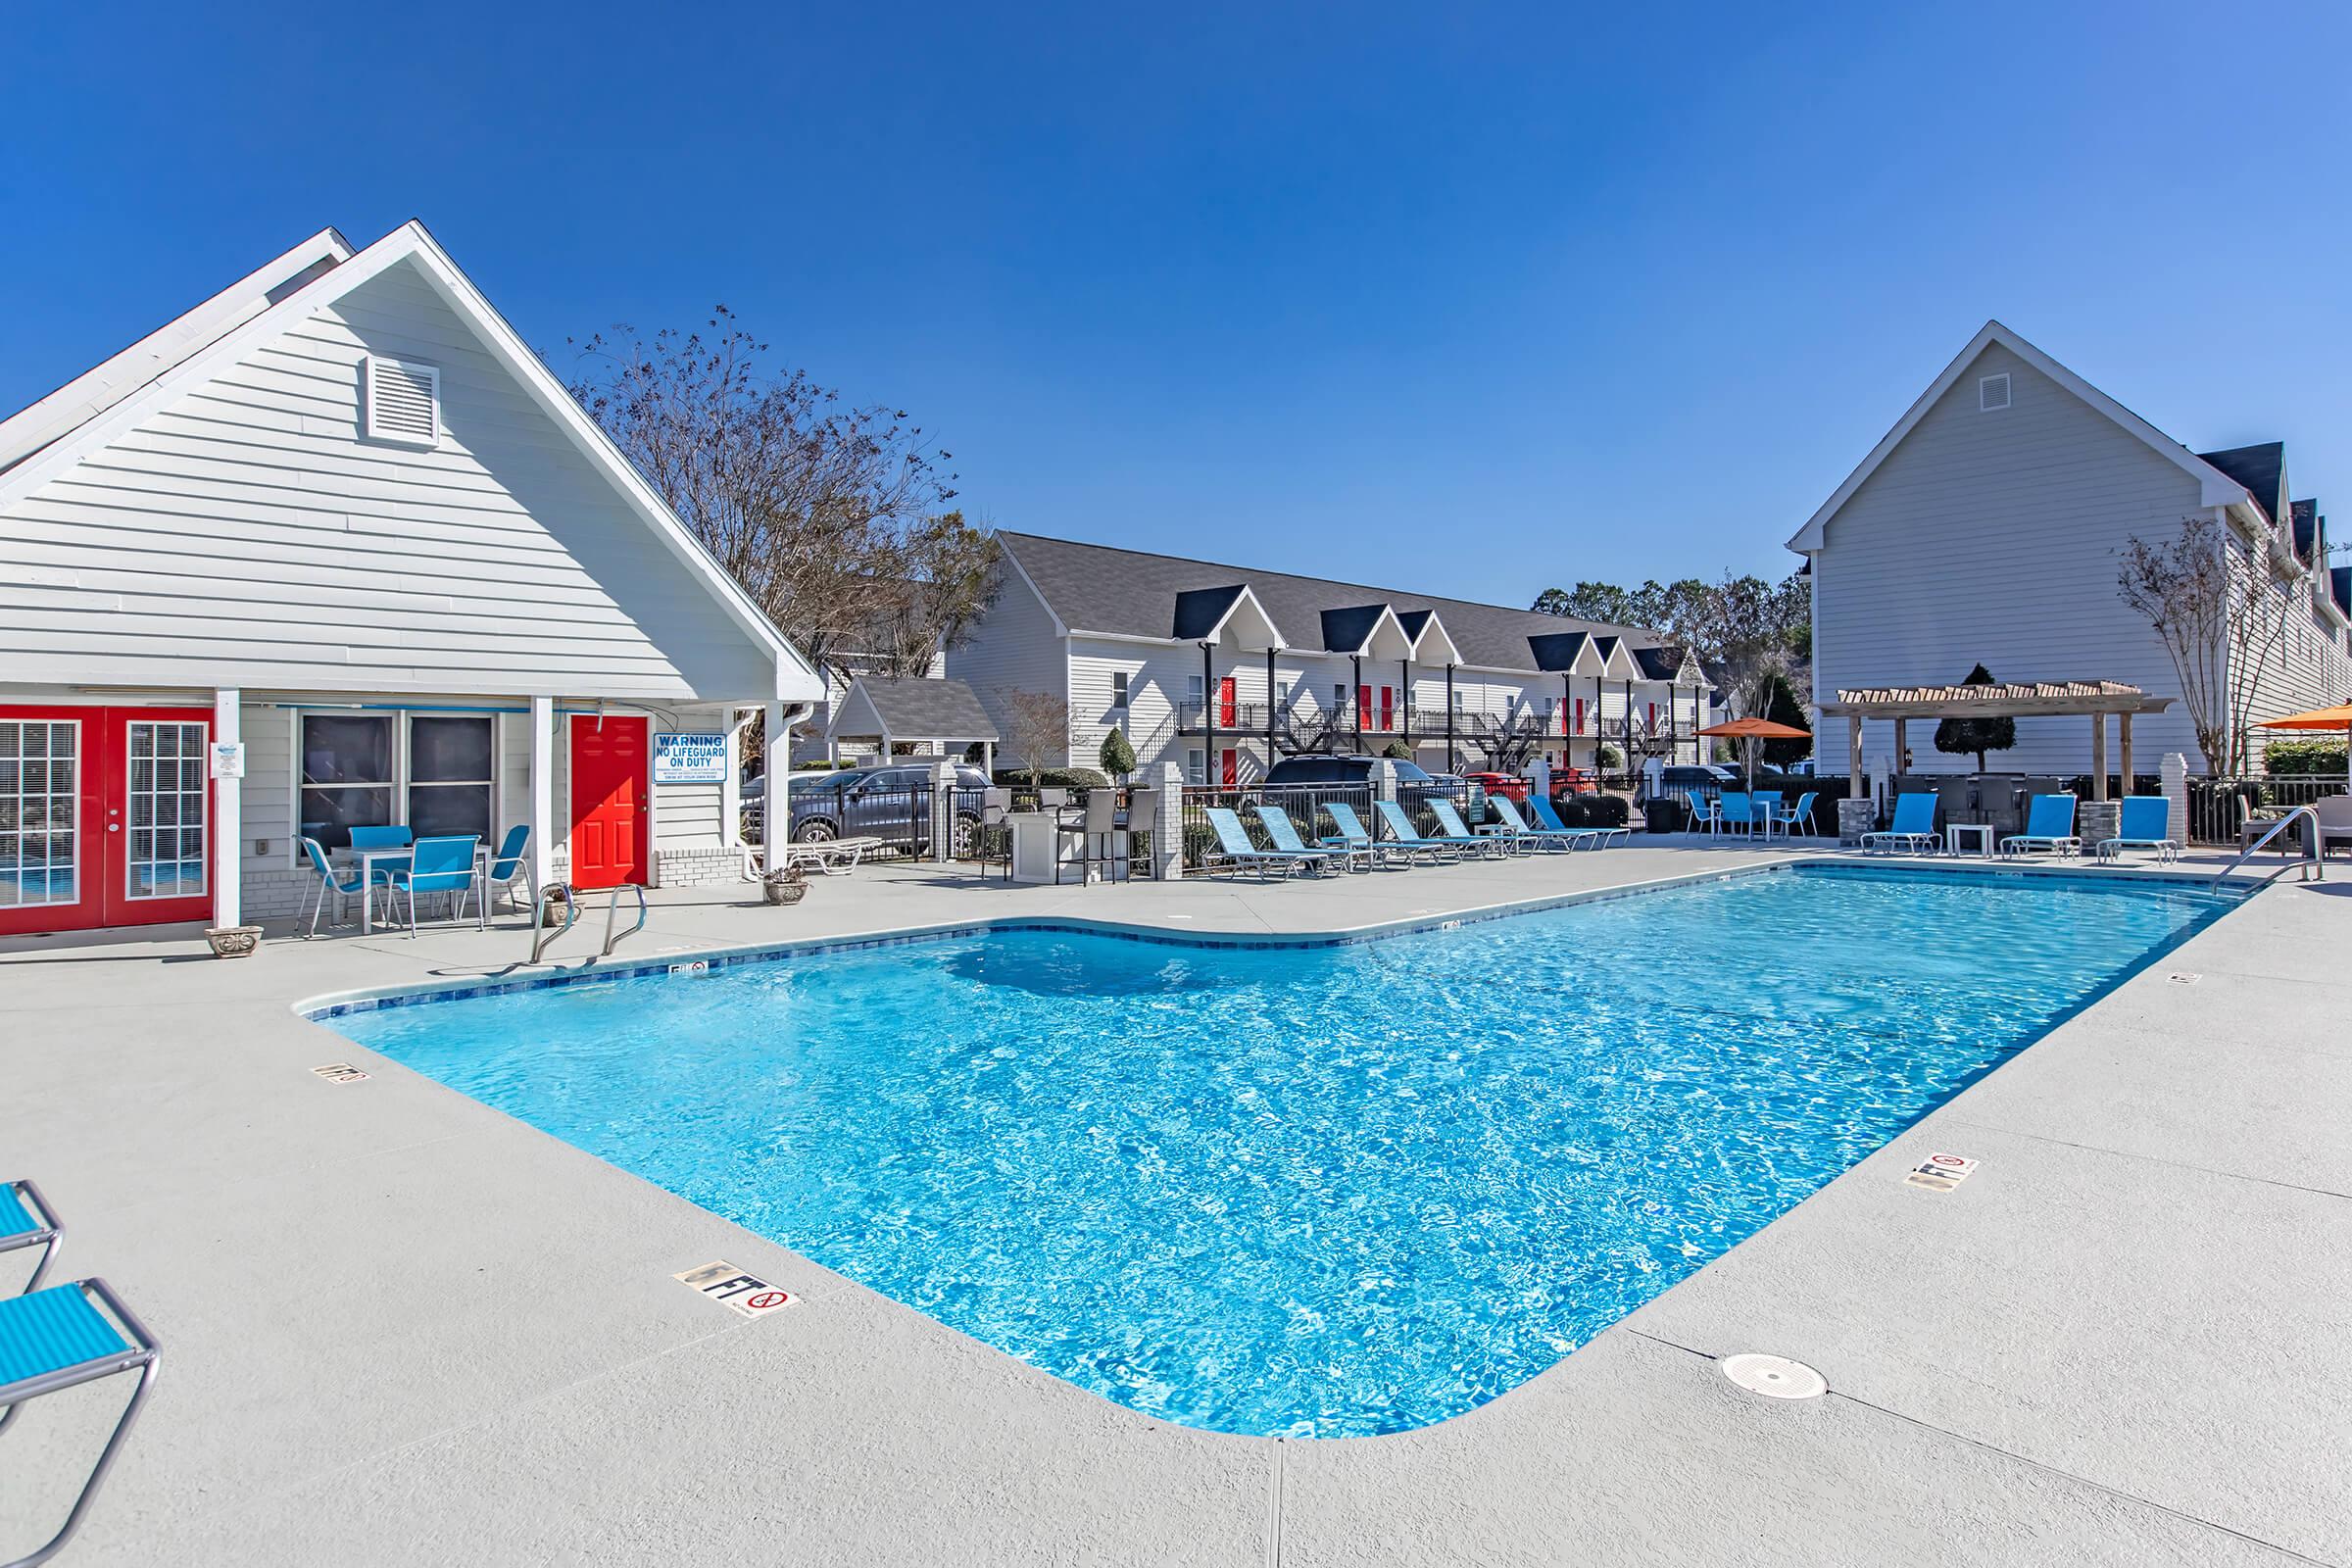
{"x": 1994, "y": 538}
{"x": 247, "y": 535}
{"x": 1014, "y": 649}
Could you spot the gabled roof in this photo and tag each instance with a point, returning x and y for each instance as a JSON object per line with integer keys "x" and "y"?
{"x": 2262, "y": 470}
{"x": 106, "y": 403}
{"x": 1200, "y": 611}
{"x": 2339, "y": 583}
{"x": 2215, "y": 488}
{"x": 2310, "y": 531}
{"x": 1131, "y": 593}
{"x": 1616, "y": 659}
{"x": 1668, "y": 663}
{"x": 1566, "y": 653}
{"x": 912, "y": 709}
{"x": 1432, "y": 642}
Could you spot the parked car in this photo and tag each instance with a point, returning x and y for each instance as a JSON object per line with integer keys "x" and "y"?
{"x": 867, "y": 801}
{"x": 1571, "y": 781}
{"x": 1341, "y": 770}
{"x": 1673, "y": 781}
{"x": 1503, "y": 784}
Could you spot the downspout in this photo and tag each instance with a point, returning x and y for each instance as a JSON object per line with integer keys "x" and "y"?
{"x": 1404, "y": 676}
{"x": 1452, "y": 765}
{"x": 1356, "y": 699}
{"x": 1208, "y": 716}
{"x": 1269, "y": 707}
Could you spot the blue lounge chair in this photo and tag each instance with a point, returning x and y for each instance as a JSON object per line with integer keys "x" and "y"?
{"x": 434, "y": 866}
{"x": 1452, "y": 829}
{"x": 2049, "y": 825}
{"x": 57, "y": 1339}
{"x": 1739, "y": 811}
{"x": 1517, "y": 827}
{"x": 1354, "y": 838}
{"x": 28, "y": 1220}
{"x": 510, "y": 864}
{"x": 2146, "y": 825}
{"x": 1408, "y": 839}
{"x": 1547, "y": 817}
{"x": 330, "y": 880}
{"x": 1234, "y": 851}
{"x": 1913, "y": 830}
{"x": 1285, "y": 834}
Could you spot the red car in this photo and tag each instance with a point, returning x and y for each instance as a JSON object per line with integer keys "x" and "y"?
{"x": 1503, "y": 784}
{"x": 1571, "y": 781}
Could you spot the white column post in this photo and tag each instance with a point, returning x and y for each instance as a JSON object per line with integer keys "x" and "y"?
{"x": 942, "y": 810}
{"x": 229, "y": 814}
{"x": 775, "y": 812}
{"x": 543, "y": 791}
{"x": 1167, "y": 825}
{"x": 2174, "y": 769}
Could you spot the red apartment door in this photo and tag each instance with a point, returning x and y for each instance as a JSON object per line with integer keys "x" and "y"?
{"x": 105, "y": 817}
{"x": 1388, "y": 707}
{"x": 1232, "y": 768}
{"x": 610, "y": 799}
{"x": 1363, "y": 707}
{"x": 1226, "y": 711}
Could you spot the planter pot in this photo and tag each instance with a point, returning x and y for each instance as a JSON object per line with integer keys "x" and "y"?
{"x": 784, "y": 887}
{"x": 233, "y": 941}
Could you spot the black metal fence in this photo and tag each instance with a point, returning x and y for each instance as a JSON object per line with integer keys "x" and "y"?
{"x": 1304, "y": 803}
{"x": 2219, "y": 808}
{"x": 896, "y": 817}
{"x": 1468, "y": 798}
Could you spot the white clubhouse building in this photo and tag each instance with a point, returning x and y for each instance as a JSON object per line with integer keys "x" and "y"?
{"x": 335, "y": 549}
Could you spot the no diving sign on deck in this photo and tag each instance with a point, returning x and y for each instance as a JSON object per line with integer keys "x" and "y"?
{"x": 745, "y": 1295}
{"x": 1940, "y": 1173}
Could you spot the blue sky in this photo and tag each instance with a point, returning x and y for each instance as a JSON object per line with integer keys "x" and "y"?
{"x": 1473, "y": 302}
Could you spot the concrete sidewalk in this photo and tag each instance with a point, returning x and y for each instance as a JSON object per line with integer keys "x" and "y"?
{"x": 402, "y": 1328}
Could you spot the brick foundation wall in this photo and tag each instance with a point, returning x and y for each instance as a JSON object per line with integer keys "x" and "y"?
{"x": 698, "y": 868}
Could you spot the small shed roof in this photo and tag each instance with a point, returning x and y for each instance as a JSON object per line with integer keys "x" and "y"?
{"x": 911, "y": 709}
{"x": 2003, "y": 700}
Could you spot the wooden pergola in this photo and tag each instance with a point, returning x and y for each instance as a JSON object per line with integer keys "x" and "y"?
{"x": 2093, "y": 699}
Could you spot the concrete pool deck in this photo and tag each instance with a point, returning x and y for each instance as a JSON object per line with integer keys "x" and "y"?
{"x": 401, "y": 1328}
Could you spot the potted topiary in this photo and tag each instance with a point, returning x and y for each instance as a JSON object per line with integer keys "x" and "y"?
{"x": 788, "y": 886}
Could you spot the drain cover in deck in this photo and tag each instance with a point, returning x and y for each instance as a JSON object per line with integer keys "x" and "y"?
{"x": 1775, "y": 1376}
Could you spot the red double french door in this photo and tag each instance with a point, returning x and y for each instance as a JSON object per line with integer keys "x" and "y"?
{"x": 106, "y": 817}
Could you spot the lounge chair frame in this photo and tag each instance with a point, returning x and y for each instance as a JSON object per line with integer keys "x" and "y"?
{"x": 1895, "y": 839}
{"x": 48, "y": 1234}
{"x": 2067, "y": 844}
{"x": 142, "y": 1354}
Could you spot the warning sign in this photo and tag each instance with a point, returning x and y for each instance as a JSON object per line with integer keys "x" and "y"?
{"x": 340, "y": 1072}
{"x": 745, "y": 1295}
{"x": 1940, "y": 1173}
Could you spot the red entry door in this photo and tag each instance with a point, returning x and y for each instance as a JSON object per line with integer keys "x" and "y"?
{"x": 1363, "y": 707}
{"x": 610, "y": 798}
{"x": 1232, "y": 768}
{"x": 106, "y": 817}
{"x": 1226, "y": 711}
{"x": 1387, "y": 708}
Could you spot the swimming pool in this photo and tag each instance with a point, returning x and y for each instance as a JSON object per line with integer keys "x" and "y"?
{"x": 1324, "y": 1190}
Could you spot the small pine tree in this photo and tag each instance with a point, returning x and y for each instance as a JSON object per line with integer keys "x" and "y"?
{"x": 1784, "y": 709}
{"x": 1963, "y": 737}
{"x": 1398, "y": 750}
{"x": 1117, "y": 756}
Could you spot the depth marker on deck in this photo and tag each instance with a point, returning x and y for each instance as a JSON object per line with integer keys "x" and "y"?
{"x": 745, "y": 1295}
{"x": 2184, "y": 977}
{"x": 1940, "y": 1173}
{"x": 340, "y": 1072}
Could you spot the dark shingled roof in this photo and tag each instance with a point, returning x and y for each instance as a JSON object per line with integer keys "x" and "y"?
{"x": 1134, "y": 593}
{"x": 1198, "y": 609}
{"x": 1344, "y": 630}
{"x": 1662, "y": 662}
{"x": 2339, "y": 582}
{"x": 2307, "y": 529}
{"x": 917, "y": 707}
{"x": 2262, "y": 470}
{"x": 1559, "y": 650}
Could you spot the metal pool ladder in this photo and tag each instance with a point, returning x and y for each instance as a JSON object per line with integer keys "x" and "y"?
{"x": 543, "y": 939}
{"x": 2314, "y": 862}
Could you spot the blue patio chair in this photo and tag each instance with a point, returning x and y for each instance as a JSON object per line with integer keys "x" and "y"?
{"x": 341, "y": 883}
{"x": 435, "y": 865}
{"x": 1406, "y": 839}
{"x": 1705, "y": 814}
{"x": 1557, "y": 840}
{"x": 389, "y": 836}
{"x": 1913, "y": 830}
{"x": 1767, "y": 811}
{"x": 1285, "y": 834}
{"x": 1234, "y": 851}
{"x": 1801, "y": 811}
{"x": 1452, "y": 829}
{"x": 2146, "y": 825}
{"x": 1352, "y": 836}
{"x": 57, "y": 1339}
{"x": 510, "y": 864}
{"x": 28, "y": 1220}
{"x": 1739, "y": 811}
{"x": 2049, "y": 825}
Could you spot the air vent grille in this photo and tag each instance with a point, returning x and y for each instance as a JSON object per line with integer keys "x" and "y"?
{"x": 1993, "y": 392}
{"x": 404, "y": 402}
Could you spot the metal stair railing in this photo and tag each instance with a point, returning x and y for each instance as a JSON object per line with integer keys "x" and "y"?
{"x": 2314, "y": 861}
{"x": 542, "y": 938}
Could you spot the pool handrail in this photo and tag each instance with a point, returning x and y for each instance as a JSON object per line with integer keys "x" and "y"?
{"x": 2314, "y": 861}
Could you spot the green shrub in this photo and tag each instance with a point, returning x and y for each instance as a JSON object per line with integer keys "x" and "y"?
{"x": 1398, "y": 751}
{"x": 1117, "y": 756}
{"x": 2301, "y": 759}
{"x": 1608, "y": 757}
{"x": 1052, "y": 779}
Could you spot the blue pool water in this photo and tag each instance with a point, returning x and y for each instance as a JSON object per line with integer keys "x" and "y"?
{"x": 1329, "y": 1191}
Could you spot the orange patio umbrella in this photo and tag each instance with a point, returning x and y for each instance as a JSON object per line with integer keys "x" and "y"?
{"x": 2337, "y": 718}
{"x": 1756, "y": 729}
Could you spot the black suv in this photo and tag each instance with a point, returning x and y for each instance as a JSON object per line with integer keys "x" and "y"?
{"x": 1339, "y": 770}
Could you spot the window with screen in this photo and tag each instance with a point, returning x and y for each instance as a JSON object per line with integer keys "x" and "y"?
{"x": 347, "y": 778}
{"x": 452, "y": 764}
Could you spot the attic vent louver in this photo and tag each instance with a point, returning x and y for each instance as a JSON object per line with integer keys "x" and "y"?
{"x": 404, "y": 402}
{"x": 1993, "y": 392}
